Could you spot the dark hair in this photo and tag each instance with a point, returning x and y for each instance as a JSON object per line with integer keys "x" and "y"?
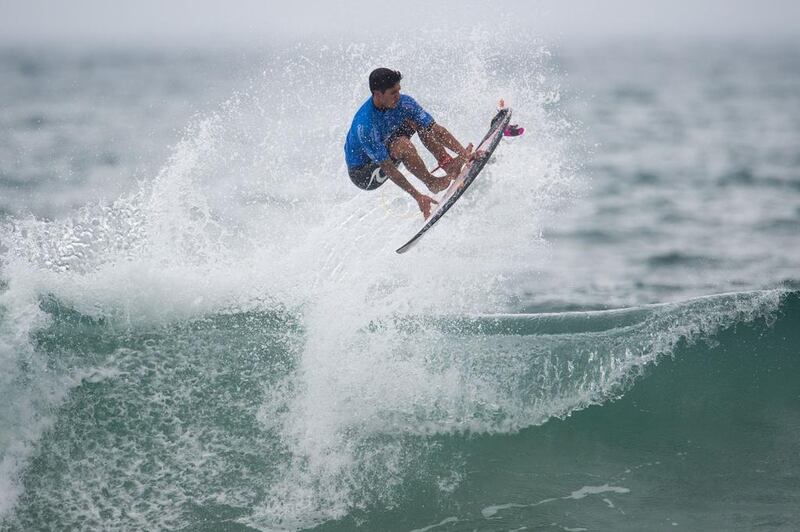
{"x": 382, "y": 79}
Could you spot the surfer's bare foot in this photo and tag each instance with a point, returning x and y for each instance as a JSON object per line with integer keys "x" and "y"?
{"x": 440, "y": 184}
{"x": 454, "y": 166}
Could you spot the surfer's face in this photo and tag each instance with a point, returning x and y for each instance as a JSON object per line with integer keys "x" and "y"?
{"x": 388, "y": 98}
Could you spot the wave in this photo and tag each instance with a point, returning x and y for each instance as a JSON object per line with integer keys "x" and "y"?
{"x": 730, "y": 370}
{"x": 233, "y": 403}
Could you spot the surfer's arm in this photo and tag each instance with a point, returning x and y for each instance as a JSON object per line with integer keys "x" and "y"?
{"x": 400, "y": 180}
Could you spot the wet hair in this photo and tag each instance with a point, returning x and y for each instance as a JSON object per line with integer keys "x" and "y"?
{"x": 383, "y": 79}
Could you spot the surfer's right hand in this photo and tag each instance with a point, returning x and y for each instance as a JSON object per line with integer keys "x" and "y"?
{"x": 425, "y": 203}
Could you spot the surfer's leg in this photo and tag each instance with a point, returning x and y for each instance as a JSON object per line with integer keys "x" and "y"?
{"x": 451, "y": 165}
{"x": 433, "y": 144}
{"x": 402, "y": 149}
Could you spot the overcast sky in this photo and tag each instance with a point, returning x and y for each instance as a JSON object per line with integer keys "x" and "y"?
{"x": 207, "y": 22}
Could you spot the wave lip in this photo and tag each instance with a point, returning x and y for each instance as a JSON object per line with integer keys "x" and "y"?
{"x": 414, "y": 379}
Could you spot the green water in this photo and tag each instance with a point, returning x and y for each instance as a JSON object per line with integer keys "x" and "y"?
{"x": 167, "y": 427}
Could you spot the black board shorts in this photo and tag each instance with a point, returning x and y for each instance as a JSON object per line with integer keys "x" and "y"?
{"x": 370, "y": 176}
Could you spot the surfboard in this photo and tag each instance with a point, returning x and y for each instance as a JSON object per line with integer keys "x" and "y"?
{"x": 467, "y": 175}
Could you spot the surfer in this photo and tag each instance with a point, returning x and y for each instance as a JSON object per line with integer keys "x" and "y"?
{"x": 380, "y": 139}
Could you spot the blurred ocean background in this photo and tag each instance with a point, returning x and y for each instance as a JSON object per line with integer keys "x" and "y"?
{"x": 204, "y": 325}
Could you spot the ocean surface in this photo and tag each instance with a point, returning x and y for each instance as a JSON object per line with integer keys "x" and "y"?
{"x": 204, "y": 325}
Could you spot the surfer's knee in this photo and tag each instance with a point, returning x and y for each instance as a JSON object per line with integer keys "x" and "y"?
{"x": 401, "y": 147}
{"x": 425, "y": 131}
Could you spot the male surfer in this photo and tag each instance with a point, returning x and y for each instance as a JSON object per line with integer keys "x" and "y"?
{"x": 380, "y": 139}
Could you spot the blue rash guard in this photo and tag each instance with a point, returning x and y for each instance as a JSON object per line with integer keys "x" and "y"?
{"x": 372, "y": 127}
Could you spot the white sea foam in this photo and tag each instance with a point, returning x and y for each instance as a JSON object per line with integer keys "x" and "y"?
{"x": 254, "y": 210}
{"x": 443, "y": 522}
{"x": 490, "y": 511}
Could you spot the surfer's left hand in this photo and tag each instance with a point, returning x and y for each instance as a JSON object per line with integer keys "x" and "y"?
{"x": 425, "y": 204}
